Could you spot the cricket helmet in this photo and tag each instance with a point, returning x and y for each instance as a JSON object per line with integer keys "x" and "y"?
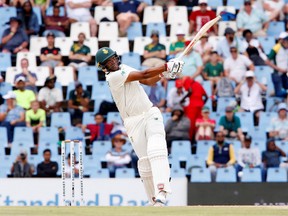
{"x": 103, "y": 55}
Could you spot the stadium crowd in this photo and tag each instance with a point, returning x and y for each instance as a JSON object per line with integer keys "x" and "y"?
{"x": 228, "y": 110}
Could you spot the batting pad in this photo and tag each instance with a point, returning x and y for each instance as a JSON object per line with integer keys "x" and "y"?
{"x": 158, "y": 157}
{"x": 145, "y": 172}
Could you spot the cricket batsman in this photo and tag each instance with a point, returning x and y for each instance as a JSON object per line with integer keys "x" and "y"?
{"x": 143, "y": 121}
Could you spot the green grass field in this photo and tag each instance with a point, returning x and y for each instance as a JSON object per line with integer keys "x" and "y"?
{"x": 141, "y": 211}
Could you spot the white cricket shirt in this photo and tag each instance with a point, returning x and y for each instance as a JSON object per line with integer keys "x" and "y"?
{"x": 129, "y": 97}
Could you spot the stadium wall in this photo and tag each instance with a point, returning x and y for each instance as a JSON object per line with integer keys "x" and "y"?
{"x": 238, "y": 194}
{"x": 97, "y": 192}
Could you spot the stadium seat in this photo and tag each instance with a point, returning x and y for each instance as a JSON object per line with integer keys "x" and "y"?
{"x": 265, "y": 119}
{"x": 203, "y": 147}
{"x": 170, "y": 85}
{"x": 91, "y": 163}
{"x": 267, "y": 43}
{"x": 261, "y": 145}
{"x": 235, "y": 3}
{"x": 64, "y": 44}
{"x": 114, "y": 117}
{"x": 88, "y": 75}
{"x": 101, "y": 90}
{"x": 236, "y": 144}
{"x": 64, "y": 75}
{"x": 226, "y": 174}
{"x": 61, "y": 119}
{"x": 6, "y": 13}
{"x": 100, "y": 148}
{"x": 20, "y": 146}
{"x": 48, "y": 135}
{"x": 79, "y": 27}
{"x": 181, "y": 149}
{"x": 216, "y": 116}
{"x": 258, "y": 134}
{"x": 5, "y": 165}
{"x": 223, "y": 102}
{"x": 28, "y": 55}
{"x": 100, "y": 173}
{"x": 178, "y": 173}
{"x": 282, "y": 145}
{"x": 166, "y": 116}
{"x": 53, "y": 146}
{"x": 88, "y": 118}
{"x": 160, "y": 27}
{"x": 175, "y": 27}
{"x": 207, "y": 87}
{"x": 5, "y": 61}
{"x": 148, "y": 2}
{"x": 263, "y": 75}
{"x": 195, "y": 161}
{"x": 107, "y": 31}
{"x": 225, "y": 9}
{"x": 37, "y": 11}
{"x": 5, "y": 87}
{"x": 177, "y": 14}
{"x": 276, "y": 175}
{"x": 166, "y": 41}
{"x": 71, "y": 87}
{"x": 49, "y": 11}
{"x": 134, "y": 30}
{"x": 23, "y": 134}
{"x": 224, "y": 24}
{"x": 174, "y": 162}
{"x": 125, "y": 173}
{"x": 42, "y": 73}
{"x": 132, "y": 59}
{"x": 272, "y": 103}
{"x": 140, "y": 43}
{"x": 251, "y": 175}
{"x": 153, "y": 14}
{"x": 196, "y": 8}
{"x": 215, "y": 3}
{"x": 3, "y": 140}
{"x": 275, "y": 28}
{"x": 120, "y": 45}
{"x": 74, "y": 133}
{"x": 92, "y": 43}
{"x": 101, "y": 12}
{"x": 214, "y": 40}
{"x": 246, "y": 119}
{"x": 11, "y": 72}
{"x": 200, "y": 175}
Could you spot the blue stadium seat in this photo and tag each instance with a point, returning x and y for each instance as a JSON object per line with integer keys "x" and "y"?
{"x": 265, "y": 119}
{"x": 203, "y": 147}
{"x": 263, "y": 75}
{"x": 181, "y": 149}
{"x": 258, "y": 134}
{"x": 88, "y": 118}
{"x": 5, "y": 60}
{"x": 6, "y": 13}
{"x": 223, "y": 102}
{"x": 37, "y": 11}
{"x": 207, "y": 87}
{"x": 174, "y": 162}
{"x": 134, "y": 30}
{"x": 19, "y": 146}
{"x": 160, "y": 27}
{"x": 226, "y": 175}
{"x": 100, "y": 148}
{"x": 166, "y": 116}
{"x": 132, "y": 59}
{"x": 276, "y": 175}
{"x": 5, "y": 165}
{"x": 61, "y": 119}
{"x": 114, "y": 117}
{"x": 48, "y": 134}
{"x": 91, "y": 163}
{"x": 267, "y": 43}
{"x": 272, "y": 103}
{"x": 3, "y": 139}
{"x": 200, "y": 175}
{"x": 275, "y": 28}
{"x": 148, "y": 2}
{"x": 49, "y": 145}
{"x": 178, "y": 173}
{"x": 236, "y": 144}
{"x": 100, "y": 90}
{"x": 49, "y": 11}
{"x": 88, "y": 75}
{"x": 71, "y": 86}
{"x": 195, "y": 161}
{"x": 282, "y": 145}
{"x": 251, "y": 175}
{"x": 74, "y": 133}
{"x": 216, "y": 116}
{"x": 5, "y": 87}
{"x": 100, "y": 173}
{"x": 246, "y": 118}
{"x": 261, "y": 145}
{"x": 215, "y": 3}
{"x": 35, "y": 160}
{"x": 235, "y": 3}
{"x": 23, "y": 134}
{"x": 170, "y": 85}
{"x": 125, "y": 173}
{"x": 209, "y": 104}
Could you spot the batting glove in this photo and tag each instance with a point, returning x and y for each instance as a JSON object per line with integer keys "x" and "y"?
{"x": 174, "y": 67}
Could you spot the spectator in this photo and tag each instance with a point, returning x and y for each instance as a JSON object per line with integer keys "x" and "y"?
{"x": 3, "y": 3}
{"x": 273, "y": 9}
{"x": 47, "y": 168}
{"x": 19, "y": 3}
{"x": 11, "y": 115}
{"x": 177, "y": 127}
{"x": 102, "y": 2}
{"x": 279, "y": 125}
{"x": 230, "y": 124}
{"x": 247, "y": 157}
{"x": 50, "y": 98}
{"x": 165, "y": 4}
{"x": 68, "y": 167}
{"x": 225, "y": 87}
{"x": 200, "y": 17}
{"x": 177, "y": 46}
{"x": 78, "y": 102}
{"x": 154, "y": 53}
{"x": 197, "y": 99}
{"x": 177, "y": 96}
{"x": 156, "y": 94}
{"x": 205, "y": 126}
{"x": 193, "y": 64}
{"x": 35, "y": 118}
{"x": 23, "y": 96}
{"x": 204, "y": 48}
{"x": 79, "y": 11}
{"x": 21, "y": 168}
{"x": 223, "y": 46}
{"x": 51, "y": 55}
{"x": 251, "y": 99}
{"x": 126, "y": 13}
{"x": 253, "y": 19}
{"x": 80, "y": 54}
{"x": 213, "y": 71}
{"x": 56, "y": 24}
{"x": 29, "y": 19}
{"x": 30, "y": 77}
{"x": 14, "y": 39}
{"x": 279, "y": 62}
{"x": 100, "y": 130}
{"x": 236, "y": 66}
{"x": 220, "y": 155}
{"x": 271, "y": 157}
{"x": 117, "y": 157}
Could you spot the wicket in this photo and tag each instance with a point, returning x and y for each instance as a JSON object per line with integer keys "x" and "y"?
{"x": 72, "y": 166}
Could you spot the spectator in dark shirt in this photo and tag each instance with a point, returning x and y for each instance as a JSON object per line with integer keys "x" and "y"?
{"x": 14, "y": 39}
{"x": 47, "y": 168}
{"x": 21, "y": 168}
{"x": 56, "y": 24}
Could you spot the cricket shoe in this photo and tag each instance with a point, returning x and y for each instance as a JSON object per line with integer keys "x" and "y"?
{"x": 160, "y": 199}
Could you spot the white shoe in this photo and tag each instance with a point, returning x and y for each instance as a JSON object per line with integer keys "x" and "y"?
{"x": 160, "y": 199}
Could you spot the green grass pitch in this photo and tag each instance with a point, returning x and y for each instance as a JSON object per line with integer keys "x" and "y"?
{"x": 147, "y": 211}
